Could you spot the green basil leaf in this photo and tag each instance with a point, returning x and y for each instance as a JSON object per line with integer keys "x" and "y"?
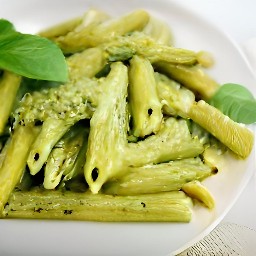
{"x": 235, "y": 101}
{"x": 30, "y": 55}
{"x": 33, "y": 57}
{"x": 6, "y": 27}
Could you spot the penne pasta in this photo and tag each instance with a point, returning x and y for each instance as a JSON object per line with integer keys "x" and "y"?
{"x": 108, "y": 130}
{"x": 146, "y": 111}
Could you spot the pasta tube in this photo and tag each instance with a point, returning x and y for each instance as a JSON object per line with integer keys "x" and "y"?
{"x": 172, "y": 142}
{"x": 63, "y": 156}
{"x": 9, "y": 85}
{"x": 193, "y": 77}
{"x": 123, "y": 48}
{"x": 61, "y": 29}
{"x": 14, "y": 163}
{"x": 91, "y": 17}
{"x": 97, "y": 33}
{"x": 235, "y": 136}
{"x": 146, "y": 111}
{"x": 77, "y": 168}
{"x": 52, "y": 130}
{"x": 108, "y": 130}
{"x": 85, "y": 64}
{"x": 159, "y": 31}
{"x": 158, "y": 178}
{"x": 196, "y": 190}
{"x": 171, "y": 206}
{"x": 176, "y": 99}
{"x": 3, "y": 150}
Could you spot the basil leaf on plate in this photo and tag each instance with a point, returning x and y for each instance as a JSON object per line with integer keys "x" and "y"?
{"x": 235, "y": 101}
{"x": 31, "y": 56}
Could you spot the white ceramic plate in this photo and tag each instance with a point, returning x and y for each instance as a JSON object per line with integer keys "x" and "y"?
{"x": 26, "y": 237}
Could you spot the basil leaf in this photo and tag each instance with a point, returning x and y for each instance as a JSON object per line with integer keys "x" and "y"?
{"x": 235, "y": 101}
{"x": 6, "y": 27}
{"x": 30, "y": 55}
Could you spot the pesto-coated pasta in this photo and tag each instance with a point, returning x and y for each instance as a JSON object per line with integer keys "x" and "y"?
{"x": 9, "y": 85}
{"x": 125, "y": 139}
{"x": 170, "y": 206}
{"x": 97, "y": 32}
{"x": 156, "y": 178}
{"x": 108, "y": 130}
{"x": 193, "y": 77}
{"x": 14, "y": 163}
{"x": 146, "y": 111}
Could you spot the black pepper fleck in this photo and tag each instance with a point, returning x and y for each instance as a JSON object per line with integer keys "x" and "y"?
{"x": 38, "y": 209}
{"x": 143, "y": 204}
{"x": 66, "y": 212}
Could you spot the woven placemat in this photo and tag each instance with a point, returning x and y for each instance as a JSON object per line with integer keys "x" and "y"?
{"x": 226, "y": 239}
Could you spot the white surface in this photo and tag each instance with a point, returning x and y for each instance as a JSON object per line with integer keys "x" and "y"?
{"x": 77, "y": 238}
{"x": 235, "y": 17}
{"x": 244, "y": 210}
